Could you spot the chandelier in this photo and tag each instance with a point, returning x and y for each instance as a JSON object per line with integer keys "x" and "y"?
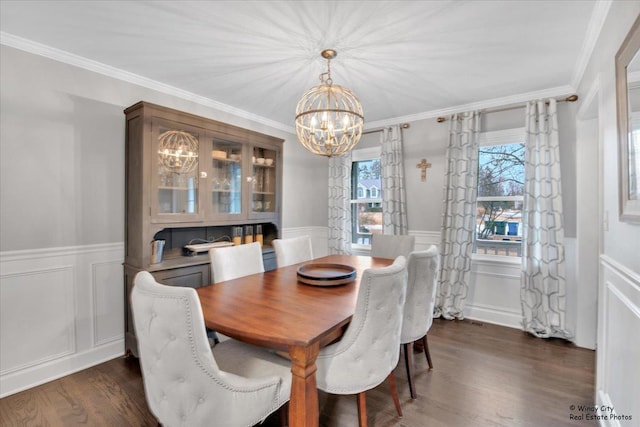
{"x": 178, "y": 151}
{"x": 329, "y": 117}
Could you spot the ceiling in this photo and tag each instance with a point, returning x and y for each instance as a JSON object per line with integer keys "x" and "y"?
{"x": 404, "y": 59}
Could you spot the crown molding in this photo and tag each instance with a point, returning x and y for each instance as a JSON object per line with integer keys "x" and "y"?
{"x": 506, "y": 101}
{"x": 598, "y": 16}
{"x": 116, "y": 73}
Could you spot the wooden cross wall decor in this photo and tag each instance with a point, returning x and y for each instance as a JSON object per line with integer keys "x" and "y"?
{"x": 423, "y": 165}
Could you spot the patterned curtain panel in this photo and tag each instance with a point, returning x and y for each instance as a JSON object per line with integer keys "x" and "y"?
{"x": 394, "y": 199}
{"x": 543, "y": 292}
{"x": 459, "y": 218}
{"x": 340, "y": 204}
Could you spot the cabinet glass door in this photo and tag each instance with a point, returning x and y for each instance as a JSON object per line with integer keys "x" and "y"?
{"x": 263, "y": 199}
{"x": 177, "y": 171}
{"x": 226, "y": 177}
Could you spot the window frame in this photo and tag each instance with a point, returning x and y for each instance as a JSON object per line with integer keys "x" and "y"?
{"x": 490, "y": 138}
{"x": 360, "y": 155}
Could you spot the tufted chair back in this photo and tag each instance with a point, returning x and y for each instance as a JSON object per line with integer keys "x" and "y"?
{"x": 184, "y": 385}
{"x": 235, "y": 261}
{"x": 392, "y": 246}
{"x": 368, "y": 351}
{"x": 293, "y": 250}
{"x": 422, "y": 271}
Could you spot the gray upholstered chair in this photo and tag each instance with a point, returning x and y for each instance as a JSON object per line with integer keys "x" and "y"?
{"x": 368, "y": 351}
{"x": 392, "y": 246}
{"x": 293, "y": 250}
{"x": 188, "y": 384}
{"x": 422, "y": 269}
{"x": 235, "y": 261}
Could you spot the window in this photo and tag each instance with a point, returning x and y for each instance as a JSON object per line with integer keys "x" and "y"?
{"x": 500, "y": 193}
{"x": 366, "y": 197}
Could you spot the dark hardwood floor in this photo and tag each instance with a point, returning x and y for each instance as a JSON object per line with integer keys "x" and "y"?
{"x": 484, "y": 375}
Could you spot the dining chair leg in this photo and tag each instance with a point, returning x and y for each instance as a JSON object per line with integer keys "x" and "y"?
{"x": 408, "y": 362}
{"x": 426, "y": 351}
{"x": 284, "y": 415}
{"x": 394, "y": 392}
{"x": 362, "y": 409}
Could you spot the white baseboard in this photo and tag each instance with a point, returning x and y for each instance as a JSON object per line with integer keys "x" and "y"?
{"x": 496, "y": 315}
{"x": 33, "y": 376}
{"x": 603, "y": 401}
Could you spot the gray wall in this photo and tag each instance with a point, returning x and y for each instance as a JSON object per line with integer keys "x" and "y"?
{"x": 62, "y": 155}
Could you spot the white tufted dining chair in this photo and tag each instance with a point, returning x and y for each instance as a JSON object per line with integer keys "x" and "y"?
{"x": 422, "y": 271}
{"x": 185, "y": 383}
{"x": 235, "y": 261}
{"x": 392, "y": 246}
{"x": 368, "y": 351}
{"x": 293, "y": 250}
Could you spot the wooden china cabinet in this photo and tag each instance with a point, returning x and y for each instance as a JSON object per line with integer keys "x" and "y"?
{"x": 189, "y": 180}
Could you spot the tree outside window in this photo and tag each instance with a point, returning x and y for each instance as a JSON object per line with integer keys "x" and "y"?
{"x": 500, "y": 198}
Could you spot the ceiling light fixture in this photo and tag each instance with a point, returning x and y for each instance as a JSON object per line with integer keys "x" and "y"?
{"x": 329, "y": 117}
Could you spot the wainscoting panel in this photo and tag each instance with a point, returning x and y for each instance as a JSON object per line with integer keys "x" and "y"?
{"x": 618, "y": 356}
{"x": 61, "y": 311}
{"x": 107, "y": 294}
{"x": 494, "y": 294}
{"x": 40, "y": 328}
{"x": 424, "y": 239}
{"x": 318, "y": 235}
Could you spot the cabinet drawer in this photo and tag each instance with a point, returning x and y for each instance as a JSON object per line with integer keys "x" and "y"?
{"x": 193, "y": 276}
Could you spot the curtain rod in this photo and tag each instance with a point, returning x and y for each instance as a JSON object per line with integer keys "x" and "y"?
{"x": 570, "y": 98}
{"x": 402, "y": 126}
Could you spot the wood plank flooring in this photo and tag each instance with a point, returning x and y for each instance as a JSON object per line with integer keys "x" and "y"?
{"x": 484, "y": 375}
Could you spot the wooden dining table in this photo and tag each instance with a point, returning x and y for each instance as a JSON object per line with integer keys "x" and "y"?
{"x": 275, "y": 310}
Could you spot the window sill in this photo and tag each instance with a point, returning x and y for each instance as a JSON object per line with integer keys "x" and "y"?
{"x": 496, "y": 259}
{"x": 357, "y": 249}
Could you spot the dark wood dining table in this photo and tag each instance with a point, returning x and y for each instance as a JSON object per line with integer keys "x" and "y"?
{"x": 275, "y": 310}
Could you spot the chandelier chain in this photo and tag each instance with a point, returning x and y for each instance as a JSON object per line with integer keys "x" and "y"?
{"x": 327, "y": 80}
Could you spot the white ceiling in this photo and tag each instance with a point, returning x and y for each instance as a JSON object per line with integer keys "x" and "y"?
{"x": 404, "y": 59}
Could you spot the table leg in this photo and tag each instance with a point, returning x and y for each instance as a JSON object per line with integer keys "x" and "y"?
{"x": 303, "y": 406}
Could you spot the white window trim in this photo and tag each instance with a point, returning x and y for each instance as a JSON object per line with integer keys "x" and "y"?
{"x": 359, "y": 155}
{"x": 365, "y": 201}
{"x": 362, "y": 154}
{"x": 500, "y": 137}
{"x": 500, "y": 198}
